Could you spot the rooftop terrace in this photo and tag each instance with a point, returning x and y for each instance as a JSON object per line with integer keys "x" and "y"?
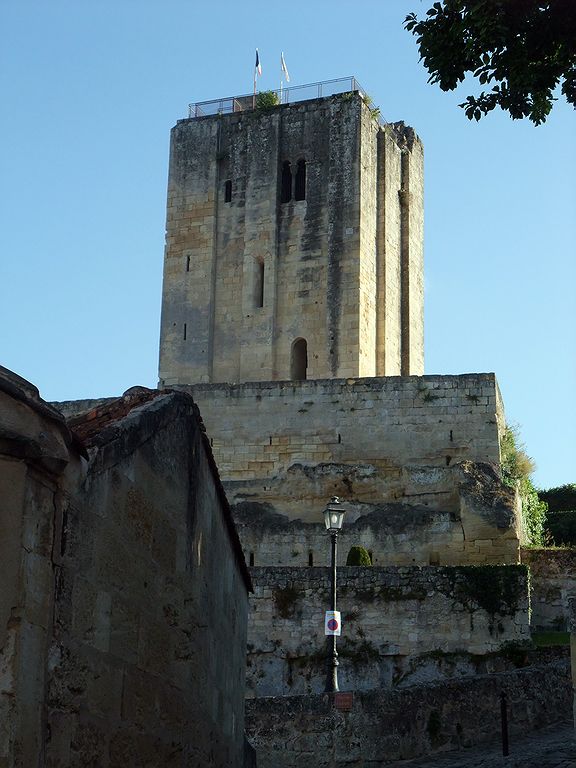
{"x": 286, "y": 95}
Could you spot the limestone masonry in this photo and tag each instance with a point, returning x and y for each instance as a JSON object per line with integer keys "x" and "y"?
{"x": 294, "y": 246}
{"x": 292, "y": 319}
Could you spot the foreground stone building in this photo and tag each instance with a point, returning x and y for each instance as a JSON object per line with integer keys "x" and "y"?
{"x": 123, "y": 606}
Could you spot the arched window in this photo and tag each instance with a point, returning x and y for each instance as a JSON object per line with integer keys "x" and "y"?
{"x": 259, "y": 284}
{"x": 286, "y": 189}
{"x": 300, "y": 186}
{"x": 299, "y": 360}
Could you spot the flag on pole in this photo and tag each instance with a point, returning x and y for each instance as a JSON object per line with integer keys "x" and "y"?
{"x": 258, "y": 66}
{"x": 284, "y": 68}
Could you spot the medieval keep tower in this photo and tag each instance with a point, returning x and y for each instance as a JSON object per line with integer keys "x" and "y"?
{"x": 294, "y": 245}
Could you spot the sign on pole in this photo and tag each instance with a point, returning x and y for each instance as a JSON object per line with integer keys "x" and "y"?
{"x": 332, "y": 624}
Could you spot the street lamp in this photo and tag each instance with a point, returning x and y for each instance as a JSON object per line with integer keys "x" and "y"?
{"x": 333, "y": 519}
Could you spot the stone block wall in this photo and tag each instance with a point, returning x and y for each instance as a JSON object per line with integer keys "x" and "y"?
{"x": 247, "y": 272}
{"x": 123, "y": 607}
{"x": 295, "y": 444}
{"x": 151, "y": 606}
{"x": 553, "y": 582}
{"x": 390, "y": 616}
{"x": 384, "y": 726}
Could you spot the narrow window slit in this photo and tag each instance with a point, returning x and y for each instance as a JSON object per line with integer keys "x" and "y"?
{"x": 187, "y": 263}
{"x": 286, "y": 188}
{"x": 310, "y": 559}
{"x": 228, "y": 191}
{"x": 300, "y": 185}
{"x": 251, "y": 561}
{"x": 184, "y": 331}
{"x": 259, "y": 285}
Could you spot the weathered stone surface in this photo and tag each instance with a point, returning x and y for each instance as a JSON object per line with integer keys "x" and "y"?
{"x": 245, "y": 277}
{"x": 553, "y": 583}
{"x": 384, "y": 726}
{"x": 399, "y": 625}
{"x": 123, "y": 606}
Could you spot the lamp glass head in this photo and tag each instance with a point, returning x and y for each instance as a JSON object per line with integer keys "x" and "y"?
{"x": 334, "y": 515}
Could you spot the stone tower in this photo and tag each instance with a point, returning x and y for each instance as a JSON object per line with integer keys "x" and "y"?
{"x": 294, "y": 245}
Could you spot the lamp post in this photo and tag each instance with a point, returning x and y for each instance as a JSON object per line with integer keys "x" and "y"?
{"x": 333, "y": 519}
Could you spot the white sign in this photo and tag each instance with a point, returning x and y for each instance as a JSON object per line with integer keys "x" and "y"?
{"x": 332, "y": 623}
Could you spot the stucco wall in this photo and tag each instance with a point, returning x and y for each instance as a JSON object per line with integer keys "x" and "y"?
{"x": 389, "y": 617}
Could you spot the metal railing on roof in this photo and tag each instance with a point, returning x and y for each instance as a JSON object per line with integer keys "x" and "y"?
{"x": 285, "y": 96}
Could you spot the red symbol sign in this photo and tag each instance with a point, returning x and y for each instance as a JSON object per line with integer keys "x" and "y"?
{"x": 332, "y": 624}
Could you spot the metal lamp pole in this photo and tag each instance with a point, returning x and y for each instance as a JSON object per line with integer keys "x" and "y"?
{"x": 333, "y": 519}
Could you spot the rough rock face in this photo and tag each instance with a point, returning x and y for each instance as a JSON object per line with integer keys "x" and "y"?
{"x": 479, "y": 524}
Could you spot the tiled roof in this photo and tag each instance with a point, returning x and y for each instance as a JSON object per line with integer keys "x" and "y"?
{"x": 88, "y": 425}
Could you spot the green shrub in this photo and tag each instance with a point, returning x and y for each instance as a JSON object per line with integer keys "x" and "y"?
{"x": 358, "y": 556}
{"x": 517, "y": 467}
{"x": 267, "y": 99}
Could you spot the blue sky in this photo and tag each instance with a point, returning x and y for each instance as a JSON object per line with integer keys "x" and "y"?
{"x": 89, "y": 92}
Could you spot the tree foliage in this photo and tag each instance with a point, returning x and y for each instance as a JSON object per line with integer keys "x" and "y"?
{"x": 523, "y": 49}
{"x": 561, "y": 516}
{"x": 560, "y": 499}
{"x": 517, "y": 467}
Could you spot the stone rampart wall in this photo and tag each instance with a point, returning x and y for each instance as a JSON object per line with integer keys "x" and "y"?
{"x": 383, "y": 726}
{"x": 295, "y": 444}
{"x": 389, "y": 615}
{"x": 553, "y": 581}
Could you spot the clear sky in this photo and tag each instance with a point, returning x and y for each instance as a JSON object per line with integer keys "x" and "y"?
{"x": 88, "y": 94}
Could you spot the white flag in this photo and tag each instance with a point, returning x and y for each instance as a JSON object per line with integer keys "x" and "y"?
{"x": 284, "y": 68}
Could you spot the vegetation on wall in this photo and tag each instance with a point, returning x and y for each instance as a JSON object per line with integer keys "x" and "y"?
{"x": 267, "y": 99}
{"x": 358, "y": 556}
{"x": 495, "y": 588}
{"x": 517, "y": 467}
